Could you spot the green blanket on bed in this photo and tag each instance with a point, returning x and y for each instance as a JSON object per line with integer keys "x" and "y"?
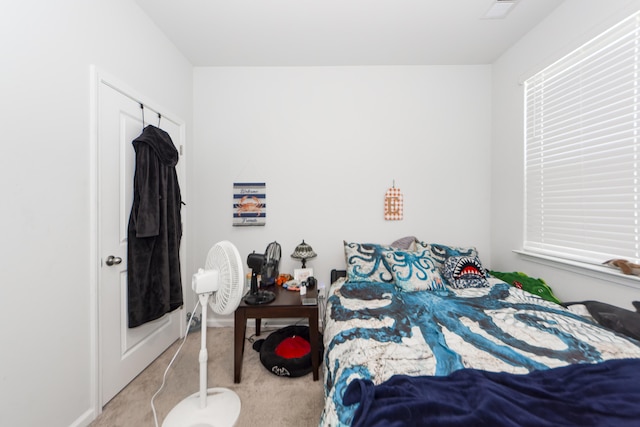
{"x": 529, "y": 284}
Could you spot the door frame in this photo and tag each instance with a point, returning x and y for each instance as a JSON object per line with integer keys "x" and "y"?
{"x": 97, "y": 78}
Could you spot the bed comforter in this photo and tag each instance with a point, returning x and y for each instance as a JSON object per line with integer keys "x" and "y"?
{"x": 374, "y": 332}
{"x": 599, "y": 394}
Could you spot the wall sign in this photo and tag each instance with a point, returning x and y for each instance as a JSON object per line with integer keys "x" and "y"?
{"x": 393, "y": 204}
{"x": 249, "y": 203}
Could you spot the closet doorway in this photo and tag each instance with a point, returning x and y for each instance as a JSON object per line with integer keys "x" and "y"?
{"x": 122, "y": 352}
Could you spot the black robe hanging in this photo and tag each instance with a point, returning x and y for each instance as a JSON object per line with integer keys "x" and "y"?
{"x": 155, "y": 230}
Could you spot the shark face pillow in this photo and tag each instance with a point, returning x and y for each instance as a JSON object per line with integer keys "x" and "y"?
{"x": 464, "y": 272}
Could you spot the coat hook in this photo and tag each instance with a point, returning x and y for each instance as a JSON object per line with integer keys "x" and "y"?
{"x": 142, "y": 108}
{"x": 159, "y": 117}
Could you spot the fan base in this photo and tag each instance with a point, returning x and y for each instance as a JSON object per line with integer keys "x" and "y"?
{"x": 222, "y": 410}
{"x": 260, "y": 297}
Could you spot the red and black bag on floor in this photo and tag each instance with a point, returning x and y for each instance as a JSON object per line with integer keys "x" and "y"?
{"x": 287, "y": 351}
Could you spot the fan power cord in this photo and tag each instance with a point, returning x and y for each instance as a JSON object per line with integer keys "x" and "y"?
{"x": 166, "y": 371}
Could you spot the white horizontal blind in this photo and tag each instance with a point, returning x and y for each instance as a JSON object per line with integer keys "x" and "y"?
{"x": 582, "y": 149}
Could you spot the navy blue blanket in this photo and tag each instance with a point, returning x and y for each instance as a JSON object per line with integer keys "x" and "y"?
{"x": 601, "y": 394}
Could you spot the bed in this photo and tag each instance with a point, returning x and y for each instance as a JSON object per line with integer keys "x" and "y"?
{"x": 425, "y": 336}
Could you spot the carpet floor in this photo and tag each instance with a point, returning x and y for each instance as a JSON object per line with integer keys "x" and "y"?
{"x": 267, "y": 400}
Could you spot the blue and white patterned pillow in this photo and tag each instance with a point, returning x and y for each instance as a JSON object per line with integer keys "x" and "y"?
{"x": 366, "y": 262}
{"x": 465, "y": 272}
{"x": 414, "y": 271}
{"x": 439, "y": 253}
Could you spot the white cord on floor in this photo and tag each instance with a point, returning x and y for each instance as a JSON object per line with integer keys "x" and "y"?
{"x": 164, "y": 377}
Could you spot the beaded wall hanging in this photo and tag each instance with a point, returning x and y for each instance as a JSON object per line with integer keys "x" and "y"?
{"x": 393, "y": 204}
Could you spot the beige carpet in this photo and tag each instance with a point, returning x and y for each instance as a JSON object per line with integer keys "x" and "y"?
{"x": 267, "y": 400}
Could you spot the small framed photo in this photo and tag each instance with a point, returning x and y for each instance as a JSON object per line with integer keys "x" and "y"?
{"x": 302, "y": 274}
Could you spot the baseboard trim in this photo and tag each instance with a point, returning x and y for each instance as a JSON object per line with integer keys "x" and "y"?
{"x": 85, "y": 419}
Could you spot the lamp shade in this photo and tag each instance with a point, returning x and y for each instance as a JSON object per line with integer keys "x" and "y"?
{"x": 303, "y": 252}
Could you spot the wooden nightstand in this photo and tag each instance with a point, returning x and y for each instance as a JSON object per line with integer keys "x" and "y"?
{"x": 288, "y": 304}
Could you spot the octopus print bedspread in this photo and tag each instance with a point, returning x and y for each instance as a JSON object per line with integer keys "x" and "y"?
{"x": 373, "y": 331}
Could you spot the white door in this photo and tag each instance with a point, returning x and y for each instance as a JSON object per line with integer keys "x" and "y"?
{"x": 124, "y": 352}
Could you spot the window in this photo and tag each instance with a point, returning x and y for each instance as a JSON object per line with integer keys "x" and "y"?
{"x": 582, "y": 151}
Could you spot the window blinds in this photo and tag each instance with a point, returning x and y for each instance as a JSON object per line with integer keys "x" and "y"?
{"x": 582, "y": 148}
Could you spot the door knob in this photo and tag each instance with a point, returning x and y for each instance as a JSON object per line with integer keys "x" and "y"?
{"x": 112, "y": 260}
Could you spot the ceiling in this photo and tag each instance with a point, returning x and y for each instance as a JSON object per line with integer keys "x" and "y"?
{"x": 342, "y": 32}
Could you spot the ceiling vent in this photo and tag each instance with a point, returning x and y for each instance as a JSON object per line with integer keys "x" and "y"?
{"x": 499, "y": 9}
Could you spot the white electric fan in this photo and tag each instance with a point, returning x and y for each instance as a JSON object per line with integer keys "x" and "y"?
{"x": 219, "y": 285}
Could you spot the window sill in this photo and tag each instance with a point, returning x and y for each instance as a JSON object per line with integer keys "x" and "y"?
{"x": 591, "y": 270}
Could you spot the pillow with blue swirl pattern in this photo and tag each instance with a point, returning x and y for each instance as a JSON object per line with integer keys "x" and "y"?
{"x": 414, "y": 271}
{"x": 366, "y": 262}
{"x": 439, "y": 253}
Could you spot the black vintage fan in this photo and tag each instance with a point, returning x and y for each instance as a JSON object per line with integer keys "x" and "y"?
{"x": 269, "y": 271}
{"x": 267, "y": 266}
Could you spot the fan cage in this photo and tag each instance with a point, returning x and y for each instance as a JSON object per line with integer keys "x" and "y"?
{"x": 224, "y": 257}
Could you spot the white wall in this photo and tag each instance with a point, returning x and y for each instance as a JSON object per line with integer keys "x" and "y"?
{"x": 46, "y": 52}
{"x": 328, "y": 142}
{"x": 572, "y": 24}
